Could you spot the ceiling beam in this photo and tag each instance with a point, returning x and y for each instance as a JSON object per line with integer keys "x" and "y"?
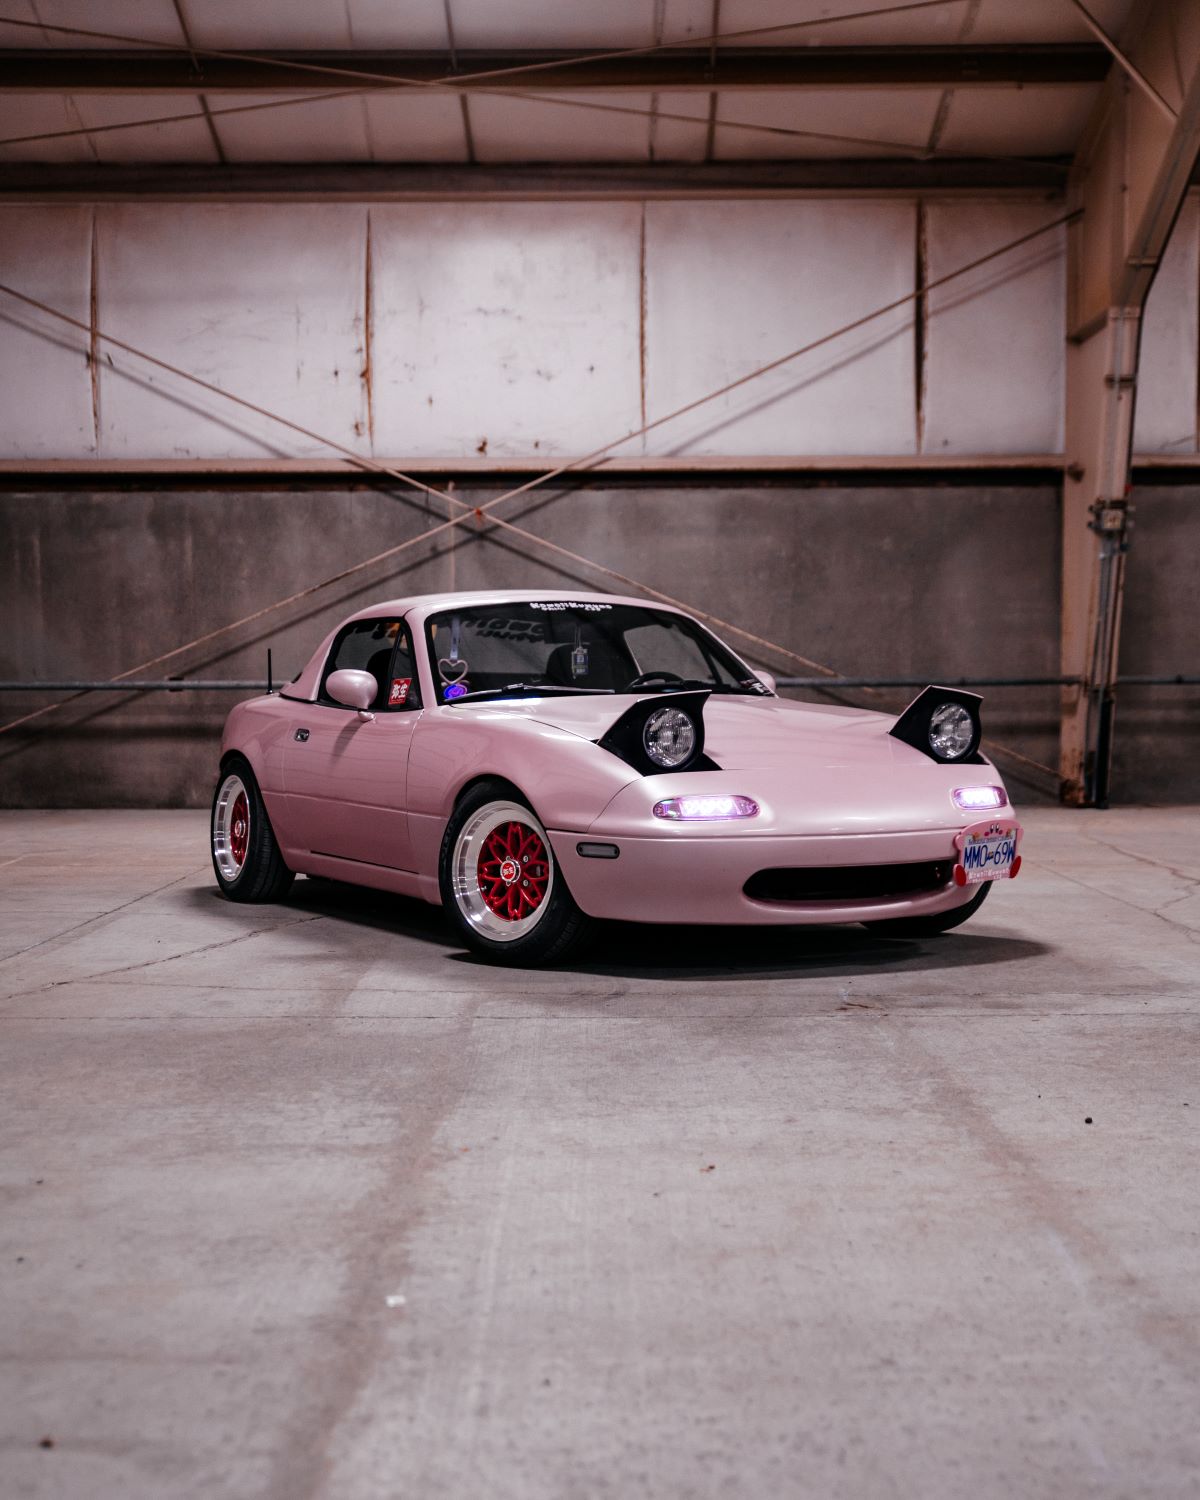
{"x": 437, "y": 182}
{"x": 109, "y": 72}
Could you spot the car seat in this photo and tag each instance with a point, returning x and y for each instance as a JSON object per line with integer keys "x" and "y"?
{"x": 604, "y": 669}
{"x": 378, "y": 668}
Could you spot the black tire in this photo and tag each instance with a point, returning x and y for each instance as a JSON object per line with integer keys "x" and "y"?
{"x": 931, "y": 926}
{"x": 500, "y": 921}
{"x": 245, "y": 854}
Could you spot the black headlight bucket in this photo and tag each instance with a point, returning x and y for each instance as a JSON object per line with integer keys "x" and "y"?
{"x": 913, "y": 724}
{"x": 624, "y": 739}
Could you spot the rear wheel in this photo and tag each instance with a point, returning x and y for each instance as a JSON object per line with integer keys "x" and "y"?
{"x": 245, "y": 855}
{"x": 503, "y": 892}
{"x": 931, "y": 926}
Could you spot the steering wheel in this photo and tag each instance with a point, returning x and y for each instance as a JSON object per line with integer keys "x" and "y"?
{"x": 644, "y": 679}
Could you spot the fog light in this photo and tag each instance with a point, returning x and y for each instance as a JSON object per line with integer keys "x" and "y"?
{"x": 705, "y": 809}
{"x": 969, "y": 798}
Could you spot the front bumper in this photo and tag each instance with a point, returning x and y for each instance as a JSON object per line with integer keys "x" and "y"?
{"x": 689, "y": 876}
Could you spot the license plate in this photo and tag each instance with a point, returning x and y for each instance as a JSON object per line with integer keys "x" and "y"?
{"x": 987, "y": 853}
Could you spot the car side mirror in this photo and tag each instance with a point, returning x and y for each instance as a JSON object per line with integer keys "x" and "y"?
{"x": 766, "y": 678}
{"x": 353, "y": 688}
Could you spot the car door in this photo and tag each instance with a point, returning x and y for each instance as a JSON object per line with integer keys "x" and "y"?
{"x": 345, "y": 772}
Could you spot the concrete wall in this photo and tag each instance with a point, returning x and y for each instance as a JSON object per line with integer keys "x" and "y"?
{"x": 870, "y": 580}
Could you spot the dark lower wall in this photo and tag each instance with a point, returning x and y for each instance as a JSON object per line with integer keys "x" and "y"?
{"x": 930, "y": 580}
{"x": 1157, "y": 729}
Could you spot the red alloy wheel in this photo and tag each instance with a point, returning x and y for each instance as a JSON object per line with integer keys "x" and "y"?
{"x": 239, "y": 829}
{"x": 514, "y": 871}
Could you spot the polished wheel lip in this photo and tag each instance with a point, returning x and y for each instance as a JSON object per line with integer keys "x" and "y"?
{"x": 469, "y": 849}
{"x": 231, "y": 827}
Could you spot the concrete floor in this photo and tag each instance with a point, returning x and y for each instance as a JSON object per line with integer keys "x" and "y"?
{"x": 300, "y": 1201}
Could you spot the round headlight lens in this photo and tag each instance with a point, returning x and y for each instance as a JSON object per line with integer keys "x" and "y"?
{"x": 951, "y": 730}
{"x": 669, "y": 737}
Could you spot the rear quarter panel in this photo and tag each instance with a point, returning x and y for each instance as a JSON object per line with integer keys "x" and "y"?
{"x": 258, "y": 729}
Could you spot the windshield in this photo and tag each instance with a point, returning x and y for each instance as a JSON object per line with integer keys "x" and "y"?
{"x": 548, "y": 646}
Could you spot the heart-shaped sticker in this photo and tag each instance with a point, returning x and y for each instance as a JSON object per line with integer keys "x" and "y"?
{"x": 452, "y": 671}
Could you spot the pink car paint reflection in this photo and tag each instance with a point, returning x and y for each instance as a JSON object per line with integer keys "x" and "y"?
{"x": 797, "y": 816}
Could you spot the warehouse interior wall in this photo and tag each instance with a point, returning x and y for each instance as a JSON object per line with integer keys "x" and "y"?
{"x": 467, "y": 340}
{"x": 875, "y": 579}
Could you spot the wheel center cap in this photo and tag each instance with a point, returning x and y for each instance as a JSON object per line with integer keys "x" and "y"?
{"x": 509, "y": 871}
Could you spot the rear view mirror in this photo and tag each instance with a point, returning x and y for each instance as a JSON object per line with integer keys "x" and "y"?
{"x": 766, "y": 678}
{"x": 353, "y": 688}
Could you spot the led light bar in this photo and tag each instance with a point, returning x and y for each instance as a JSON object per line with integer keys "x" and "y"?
{"x": 705, "y": 809}
{"x": 969, "y": 798}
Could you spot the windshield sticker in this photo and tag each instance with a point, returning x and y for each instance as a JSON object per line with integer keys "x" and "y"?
{"x": 553, "y": 606}
{"x": 399, "y": 691}
{"x": 501, "y": 628}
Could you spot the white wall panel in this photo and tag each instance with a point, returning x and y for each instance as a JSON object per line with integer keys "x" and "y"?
{"x": 684, "y": 138}
{"x": 995, "y": 352}
{"x": 1166, "y": 398}
{"x": 505, "y": 329}
{"x": 416, "y": 24}
{"x": 266, "y": 303}
{"x": 514, "y": 330}
{"x": 315, "y": 130}
{"x": 414, "y": 125}
{"x": 181, "y": 140}
{"x": 585, "y": 127}
{"x": 729, "y": 290}
{"x": 841, "y": 123}
{"x": 45, "y": 378}
{"x": 52, "y": 116}
{"x": 150, "y": 20}
{"x": 1028, "y": 121}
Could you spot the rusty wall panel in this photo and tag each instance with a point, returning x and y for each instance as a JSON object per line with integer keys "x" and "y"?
{"x": 48, "y": 408}
{"x": 267, "y": 303}
{"x": 1165, "y": 421}
{"x": 541, "y": 330}
{"x": 727, "y": 291}
{"x": 994, "y": 360}
{"x": 505, "y": 329}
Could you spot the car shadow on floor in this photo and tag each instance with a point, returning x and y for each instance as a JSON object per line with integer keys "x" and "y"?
{"x": 357, "y": 905}
{"x": 692, "y": 954}
{"x": 628, "y": 950}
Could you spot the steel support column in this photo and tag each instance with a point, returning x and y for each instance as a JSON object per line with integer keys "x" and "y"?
{"x": 1129, "y": 179}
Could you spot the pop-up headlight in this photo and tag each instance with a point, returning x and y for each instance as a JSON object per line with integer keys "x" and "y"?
{"x": 705, "y": 809}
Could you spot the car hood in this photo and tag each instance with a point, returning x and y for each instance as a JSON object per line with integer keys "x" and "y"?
{"x": 813, "y": 768}
{"x": 739, "y": 732}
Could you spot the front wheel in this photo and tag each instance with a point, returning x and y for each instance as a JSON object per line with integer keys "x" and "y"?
{"x": 245, "y": 855}
{"x": 502, "y": 890}
{"x": 931, "y": 926}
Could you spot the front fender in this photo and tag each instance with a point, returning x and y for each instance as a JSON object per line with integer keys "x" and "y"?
{"x": 568, "y": 779}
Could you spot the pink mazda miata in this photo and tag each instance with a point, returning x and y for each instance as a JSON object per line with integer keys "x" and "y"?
{"x": 534, "y": 761}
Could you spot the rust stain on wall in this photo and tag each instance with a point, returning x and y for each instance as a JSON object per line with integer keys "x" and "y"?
{"x": 368, "y": 335}
{"x": 642, "y": 316}
{"x": 920, "y": 322}
{"x": 93, "y": 357}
